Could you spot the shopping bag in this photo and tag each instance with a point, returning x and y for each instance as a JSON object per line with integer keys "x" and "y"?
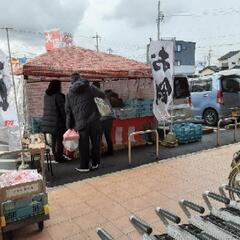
{"x": 103, "y": 108}
{"x": 71, "y": 134}
{"x": 70, "y": 140}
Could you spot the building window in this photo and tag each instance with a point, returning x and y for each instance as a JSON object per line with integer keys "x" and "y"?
{"x": 179, "y": 47}
{"x": 178, "y": 63}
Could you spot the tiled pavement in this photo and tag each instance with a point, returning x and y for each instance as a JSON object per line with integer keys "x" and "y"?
{"x": 77, "y": 209}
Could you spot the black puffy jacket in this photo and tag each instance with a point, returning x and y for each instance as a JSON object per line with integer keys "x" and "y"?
{"x": 80, "y": 105}
{"x": 54, "y": 117}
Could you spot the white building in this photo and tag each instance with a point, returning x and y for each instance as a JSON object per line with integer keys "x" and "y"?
{"x": 230, "y": 60}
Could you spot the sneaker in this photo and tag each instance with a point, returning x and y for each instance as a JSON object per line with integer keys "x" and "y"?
{"x": 95, "y": 167}
{"x": 82, "y": 169}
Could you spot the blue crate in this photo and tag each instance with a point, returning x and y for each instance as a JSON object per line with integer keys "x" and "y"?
{"x": 23, "y": 209}
{"x": 188, "y": 132}
{"x": 36, "y": 124}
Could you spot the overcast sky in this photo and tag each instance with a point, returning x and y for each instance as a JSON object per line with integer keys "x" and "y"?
{"x": 125, "y": 26}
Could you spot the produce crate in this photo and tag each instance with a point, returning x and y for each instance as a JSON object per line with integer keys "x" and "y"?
{"x": 20, "y": 191}
{"x": 35, "y": 124}
{"x": 188, "y": 132}
{"x": 12, "y": 211}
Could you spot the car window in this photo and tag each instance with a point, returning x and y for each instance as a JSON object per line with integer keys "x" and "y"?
{"x": 201, "y": 86}
{"x": 230, "y": 83}
{"x": 181, "y": 87}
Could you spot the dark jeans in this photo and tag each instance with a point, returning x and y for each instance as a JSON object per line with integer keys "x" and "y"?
{"x": 57, "y": 145}
{"x": 92, "y": 131}
{"x": 107, "y": 131}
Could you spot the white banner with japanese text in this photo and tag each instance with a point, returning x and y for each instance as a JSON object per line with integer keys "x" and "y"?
{"x": 161, "y": 55}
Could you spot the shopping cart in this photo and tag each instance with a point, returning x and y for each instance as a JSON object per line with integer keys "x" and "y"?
{"x": 230, "y": 213}
{"x": 210, "y": 224}
{"x": 103, "y": 235}
{"x": 179, "y": 231}
{"x": 233, "y": 191}
{"x": 145, "y": 230}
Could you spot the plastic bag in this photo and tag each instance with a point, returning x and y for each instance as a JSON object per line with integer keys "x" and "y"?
{"x": 70, "y": 140}
{"x": 103, "y": 108}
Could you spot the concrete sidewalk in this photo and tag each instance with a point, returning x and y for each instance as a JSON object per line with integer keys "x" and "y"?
{"x": 77, "y": 209}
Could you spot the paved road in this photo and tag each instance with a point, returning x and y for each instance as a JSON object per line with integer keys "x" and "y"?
{"x": 65, "y": 173}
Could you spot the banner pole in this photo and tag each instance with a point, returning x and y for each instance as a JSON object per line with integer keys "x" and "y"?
{"x": 174, "y": 45}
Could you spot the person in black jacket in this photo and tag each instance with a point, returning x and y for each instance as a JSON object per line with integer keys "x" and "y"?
{"x": 83, "y": 115}
{"x": 54, "y": 118}
{"x": 106, "y": 123}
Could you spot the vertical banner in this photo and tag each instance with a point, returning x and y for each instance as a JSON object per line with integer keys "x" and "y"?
{"x": 161, "y": 55}
{"x": 52, "y": 39}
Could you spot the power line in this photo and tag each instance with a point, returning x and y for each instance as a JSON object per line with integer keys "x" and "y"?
{"x": 220, "y": 45}
{"x": 205, "y": 13}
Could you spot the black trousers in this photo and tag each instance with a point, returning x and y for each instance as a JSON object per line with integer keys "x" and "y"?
{"x": 91, "y": 132}
{"x": 57, "y": 145}
{"x": 107, "y": 132}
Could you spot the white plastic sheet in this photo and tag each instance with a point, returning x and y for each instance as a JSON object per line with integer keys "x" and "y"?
{"x": 9, "y": 127}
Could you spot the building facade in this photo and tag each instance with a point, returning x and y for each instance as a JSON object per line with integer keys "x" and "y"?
{"x": 230, "y": 60}
{"x": 184, "y": 57}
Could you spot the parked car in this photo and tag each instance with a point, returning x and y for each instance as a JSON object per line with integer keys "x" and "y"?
{"x": 181, "y": 107}
{"x": 216, "y": 96}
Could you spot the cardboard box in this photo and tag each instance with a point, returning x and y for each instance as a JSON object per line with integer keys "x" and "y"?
{"x": 19, "y": 191}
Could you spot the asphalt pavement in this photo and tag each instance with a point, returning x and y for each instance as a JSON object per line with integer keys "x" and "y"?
{"x": 66, "y": 173}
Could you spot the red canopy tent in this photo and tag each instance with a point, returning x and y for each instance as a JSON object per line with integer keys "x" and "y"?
{"x": 94, "y": 66}
{"x": 62, "y": 62}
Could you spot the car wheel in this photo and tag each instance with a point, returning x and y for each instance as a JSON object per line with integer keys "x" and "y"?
{"x": 210, "y": 117}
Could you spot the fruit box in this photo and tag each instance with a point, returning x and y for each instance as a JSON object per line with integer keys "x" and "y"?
{"x": 19, "y": 191}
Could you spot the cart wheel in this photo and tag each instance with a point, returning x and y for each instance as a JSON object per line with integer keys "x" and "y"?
{"x": 4, "y": 236}
{"x": 10, "y": 235}
{"x": 7, "y": 235}
{"x": 40, "y": 225}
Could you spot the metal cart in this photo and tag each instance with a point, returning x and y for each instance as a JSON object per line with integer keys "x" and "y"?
{"x": 8, "y": 228}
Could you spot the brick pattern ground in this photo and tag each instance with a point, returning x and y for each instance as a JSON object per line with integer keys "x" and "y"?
{"x": 77, "y": 209}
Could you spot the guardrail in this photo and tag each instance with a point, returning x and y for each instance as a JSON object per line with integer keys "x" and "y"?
{"x": 140, "y": 133}
{"x": 218, "y": 129}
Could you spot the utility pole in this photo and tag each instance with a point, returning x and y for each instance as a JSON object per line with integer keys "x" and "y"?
{"x": 15, "y": 93}
{"x": 98, "y": 38}
{"x": 109, "y": 51}
{"x": 159, "y": 20}
{"x": 209, "y": 57}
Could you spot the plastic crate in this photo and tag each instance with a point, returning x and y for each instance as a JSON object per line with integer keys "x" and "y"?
{"x": 36, "y": 124}
{"x": 23, "y": 209}
{"x": 188, "y": 132}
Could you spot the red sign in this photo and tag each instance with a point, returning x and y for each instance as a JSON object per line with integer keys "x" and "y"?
{"x": 52, "y": 40}
{"x": 8, "y": 123}
{"x": 122, "y": 128}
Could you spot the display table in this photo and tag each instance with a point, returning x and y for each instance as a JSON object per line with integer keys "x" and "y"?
{"x": 123, "y": 127}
